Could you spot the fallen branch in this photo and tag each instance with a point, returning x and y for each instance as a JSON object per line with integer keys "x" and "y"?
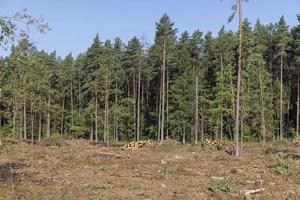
{"x": 250, "y": 192}
{"x": 117, "y": 156}
{"x": 293, "y": 155}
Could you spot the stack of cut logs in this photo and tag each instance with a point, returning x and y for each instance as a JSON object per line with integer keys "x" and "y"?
{"x": 220, "y": 145}
{"x": 137, "y": 144}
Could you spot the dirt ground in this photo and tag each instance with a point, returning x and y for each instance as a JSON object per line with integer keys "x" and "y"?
{"x": 168, "y": 171}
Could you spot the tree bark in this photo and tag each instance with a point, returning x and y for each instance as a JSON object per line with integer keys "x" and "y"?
{"x": 96, "y": 114}
{"x": 14, "y": 122}
{"x": 160, "y": 105}
{"x": 281, "y": 96}
{"x": 40, "y": 126}
{"x": 163, "y": 92}
{"x": 298, "y": 105}
{"x": 24, "y": 120}
{"x": 262, "y": 111}
{"x": 72, "y": 106}
{"x": 32, "y": 123}
{"x": 116, "y": 137}
{"x": 106, "y": 112}
{"x": 48, "y": 112}
{"x": 196, "y": 110}
{"x": 62, "y": 125}
{"x": 138, "y": 102}
{"x": 237, "y": 116}
{"x": 221, "y": 116}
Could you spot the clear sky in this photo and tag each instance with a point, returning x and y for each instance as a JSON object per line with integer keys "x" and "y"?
{"x": 75, "y": 23}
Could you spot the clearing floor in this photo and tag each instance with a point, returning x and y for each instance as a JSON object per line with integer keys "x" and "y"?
{"x": 77, "y": 169}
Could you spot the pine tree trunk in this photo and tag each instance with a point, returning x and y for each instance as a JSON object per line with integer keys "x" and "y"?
{"x": 163, "y": 93}
{"x": 262, "y": 111}
{"x": 202, "y": 126}
{"x": 115, "y": 116}
{"x": 96, "y": 115}
{"x": 221, "y": 116}
{"x": 92, "y": 124}
{"x": 32, "y": 122}
{"x": 24, "y": 120}
{"x": 281, "y": 96}
{"x": 196, "y": 110}
{"x": 14, "y": 122}
{"x": 106, "y": 113}
{"x": 72, "y": 106}
{"x": 237, "y": 116}
{"x": 167, "y": 104}
{"x": 48, "y": 112}
{"x": 183, "y": 136}
{"x": 138, "y": 103}
{"x": 147, "y": 93}
{"x": 40, "y": 126}
{"x": 117, "y": 125}
{"x": 134, "y": 106}
{"x": 21, "y": 122}
{"x": 160, "y": 106}
{"x": 62, "y": 125}
{"x": 298, "y": 105}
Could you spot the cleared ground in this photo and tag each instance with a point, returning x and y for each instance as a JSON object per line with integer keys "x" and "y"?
{"x": 80, "y": 170}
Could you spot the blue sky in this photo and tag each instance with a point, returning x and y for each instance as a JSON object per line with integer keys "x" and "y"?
{"x": 75, "y": 23}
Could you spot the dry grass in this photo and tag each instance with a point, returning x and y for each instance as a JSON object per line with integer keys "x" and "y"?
{"x": 79, "y": 170}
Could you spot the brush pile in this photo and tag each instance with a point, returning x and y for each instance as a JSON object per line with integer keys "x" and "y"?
{"x": 219, "y": 145}
{"x": 137, "y": 144}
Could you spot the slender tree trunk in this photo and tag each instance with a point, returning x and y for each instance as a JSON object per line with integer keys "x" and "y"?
{"x": 32, "y": 123}
{"x": 202, "y": 125}
{"x": 134, "y": 106}
{"x": 115, "y": 116}
{"x": 167, "y": 103}
{"x": 14, "y": 122}
{"x": 242, "y": 132}
{"x": 160, "y": 106}
{"x": 21, "y": 122}
{"x": 79, "y": 97}
{"x": 117, "y": 125}
{"x": 196, "y": 110}
{"x": 281, "y": 96}
{"x": 298, "y": 105}
{"x": 106, "y": 112}
{"x": 138, "y": 103}
{"x": 48, "y": 112}
{"x": 221, "y": 116}
{"x": 62, "y": 125}
{"x": 147, "y": 93}
{"x": 183, "y": 136}
{"x": 96, "y": 115}
{"x": 288, "y": 101}
{"x": 163, "y": 92}
{"x": 237, "y": 118}
{"x": 262, "y": 111}
{"x": 24, "y": 120}
{"x": 72, "y": 106}
{"x": 92, "y": 124}
{"x": 40, "y": 126}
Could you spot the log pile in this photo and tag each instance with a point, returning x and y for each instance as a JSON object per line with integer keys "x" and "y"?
{"x": 137, "y": 144}
{"x": 219, "y": 145}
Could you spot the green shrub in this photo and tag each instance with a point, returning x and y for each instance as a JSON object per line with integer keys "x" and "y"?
{"x": 221, "y": 186}
{"x": 280, "y": 164}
